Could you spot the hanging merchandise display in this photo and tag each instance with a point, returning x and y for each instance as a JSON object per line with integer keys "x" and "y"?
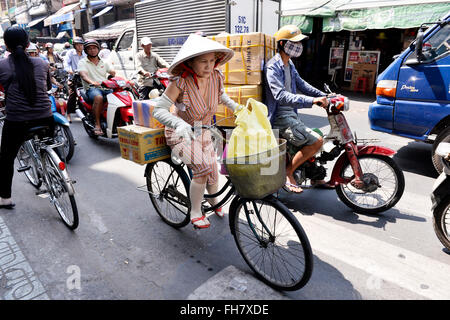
{"x": 360, "y": 57}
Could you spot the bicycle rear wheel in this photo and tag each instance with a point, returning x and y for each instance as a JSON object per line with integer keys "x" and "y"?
{"x": 168, "y": 188}
{"x": 26, "y": 160}
{"x": 272, "y": 242}
{"x": 64, "y": 203}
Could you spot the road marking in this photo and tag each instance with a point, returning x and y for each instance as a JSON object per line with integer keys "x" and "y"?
{"x": 383, "y": 261}
{"x": 17, "y": 279}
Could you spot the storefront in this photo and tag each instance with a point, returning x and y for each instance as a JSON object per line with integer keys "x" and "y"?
{"x": 356, "y": 39}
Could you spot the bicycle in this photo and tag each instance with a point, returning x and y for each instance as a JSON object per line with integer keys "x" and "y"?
{"x": 268, "y": 236}
{"x": 41, "y": 165}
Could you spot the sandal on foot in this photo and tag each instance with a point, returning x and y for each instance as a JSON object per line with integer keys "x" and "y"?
{"x": 219, "y": 212}
{"x": 98, "y": 132}
{"x": 203, "y": 223}
{"x": 7, "y": 206}
{"x": 288, "y": 187}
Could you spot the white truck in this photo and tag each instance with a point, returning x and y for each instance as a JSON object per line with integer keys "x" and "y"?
{"x": 169, "y": 22}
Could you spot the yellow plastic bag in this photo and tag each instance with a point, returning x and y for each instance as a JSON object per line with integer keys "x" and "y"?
{"x": 253, "y": 133}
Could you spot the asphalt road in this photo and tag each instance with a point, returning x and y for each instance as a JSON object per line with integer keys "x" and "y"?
{"x": 123, "y": 250}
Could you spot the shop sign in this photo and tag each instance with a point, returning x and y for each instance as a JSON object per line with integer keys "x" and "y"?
{"x": 360, "y": 57}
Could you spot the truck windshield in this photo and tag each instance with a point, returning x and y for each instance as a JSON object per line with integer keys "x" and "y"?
{"x": 126, "y": 41}
{"x": 437, "y": 46}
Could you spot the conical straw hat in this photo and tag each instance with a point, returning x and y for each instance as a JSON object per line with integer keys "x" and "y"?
{"x": 194, "y": 46}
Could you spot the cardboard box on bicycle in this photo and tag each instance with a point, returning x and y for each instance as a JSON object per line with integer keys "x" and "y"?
{"x": 142, "y": 145}
{"x": 142, "y": 111}
{"x": 239, "y": 94}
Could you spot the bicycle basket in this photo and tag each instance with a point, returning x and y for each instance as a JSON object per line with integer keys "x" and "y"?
{"x": 256, "y": 176}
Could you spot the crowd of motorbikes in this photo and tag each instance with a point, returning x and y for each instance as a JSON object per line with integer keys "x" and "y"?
{"x": 356, "y": 175}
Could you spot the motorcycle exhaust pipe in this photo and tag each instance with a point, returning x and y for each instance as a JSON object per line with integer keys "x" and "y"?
{"x": 80, "y": 114}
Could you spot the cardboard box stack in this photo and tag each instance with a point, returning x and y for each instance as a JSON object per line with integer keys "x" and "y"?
{"x": 244, "y": 72}
{"x": 142, "y": 111}
{"x": 142, "y": 145}
{"x": 240, "y": 94}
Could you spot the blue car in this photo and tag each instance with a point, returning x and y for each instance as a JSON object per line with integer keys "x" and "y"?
{"x": 413, "y": 93}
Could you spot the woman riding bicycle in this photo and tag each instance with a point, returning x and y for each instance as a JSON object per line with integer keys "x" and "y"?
{"x": 25, "y": 81}
{"x": 196, "y": 90}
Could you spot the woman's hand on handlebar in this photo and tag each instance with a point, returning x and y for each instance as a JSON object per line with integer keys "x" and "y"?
{"x": 321, "y": 101}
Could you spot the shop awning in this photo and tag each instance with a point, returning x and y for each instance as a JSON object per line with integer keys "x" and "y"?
{"x": 111, "y": 31}
{"x": 102, "y": 12}
{"x": 402, "y": 17}
{"x": 62, "y": 15}
{"x": 355, "y": 15}
{"x": 35, "y": 21}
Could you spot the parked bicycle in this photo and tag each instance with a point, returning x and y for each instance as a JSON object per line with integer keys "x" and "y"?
{"x": 270, "y": 239}
{"x": 41, "y": 165}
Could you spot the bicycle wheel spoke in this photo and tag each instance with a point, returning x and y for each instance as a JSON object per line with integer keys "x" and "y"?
{"x": 272, "y": 245}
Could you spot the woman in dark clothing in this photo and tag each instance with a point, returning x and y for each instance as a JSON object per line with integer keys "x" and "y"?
{"x": 25, "y": 81}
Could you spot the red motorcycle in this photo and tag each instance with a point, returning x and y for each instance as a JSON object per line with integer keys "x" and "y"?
{"x": 117, "y": 110}
{"x": 364, "y": 176}
{"x": 160, "y": 82}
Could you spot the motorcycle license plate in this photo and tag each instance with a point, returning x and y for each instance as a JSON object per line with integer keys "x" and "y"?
{"x": 346, "y": 132}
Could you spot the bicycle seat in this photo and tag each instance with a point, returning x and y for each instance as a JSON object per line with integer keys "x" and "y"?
{"x": 40, "y": 131}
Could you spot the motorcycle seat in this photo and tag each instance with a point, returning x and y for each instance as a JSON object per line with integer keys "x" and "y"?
{"x": 84, "y": 96}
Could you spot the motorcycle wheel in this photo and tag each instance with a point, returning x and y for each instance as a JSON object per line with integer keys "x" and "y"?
{"x": 63, "y": 134}
{"x": 391, "y": 184}
{"x": 441, "y": 221}
{"x": 444, "y": 136}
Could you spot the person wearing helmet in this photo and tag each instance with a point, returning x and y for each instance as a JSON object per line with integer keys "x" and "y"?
{"x": 282, "y": 84}
{"x": 71, "y": 61}
{"x": 93, "y": 71}
{"x": 25, "y": 81}
{"x": 51, "y": 55}
{"x": 147, "y": 62}
{"x": 104, "y": 53}
{"x": 32, "y": 50}
{"x": 196, "y": 90}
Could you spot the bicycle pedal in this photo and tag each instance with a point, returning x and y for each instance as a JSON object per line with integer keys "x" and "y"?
{"x": 24, "y": 168}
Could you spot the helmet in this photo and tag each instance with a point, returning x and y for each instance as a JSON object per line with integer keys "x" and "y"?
{"x": 90, "y": 42}
{"x": 78, "y": 40}
{"x": 104, "y": 45}
{"x": 291, "y": 33}
{"x": 32, "y": 47}
{"x": 49, "y": 45}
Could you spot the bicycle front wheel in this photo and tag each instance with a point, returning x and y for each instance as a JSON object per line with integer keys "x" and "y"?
{"x": 168, "y": 188}
{"x": 272, "y": 242}
{"x": 64, "y": 202}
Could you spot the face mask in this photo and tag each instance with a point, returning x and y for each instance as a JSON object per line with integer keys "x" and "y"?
{"x": 293, "y": 49}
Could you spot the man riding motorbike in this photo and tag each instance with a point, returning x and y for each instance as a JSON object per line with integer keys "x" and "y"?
{"x": 71, "y": 66}
{"x": 147, "y": 62}
{"x": 93, "y": 71}
{"x": 282, "y": 82}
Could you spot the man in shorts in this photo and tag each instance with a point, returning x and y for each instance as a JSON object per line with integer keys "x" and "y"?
{"x": 93, "y": 71}
{"x": 282, "y": 83}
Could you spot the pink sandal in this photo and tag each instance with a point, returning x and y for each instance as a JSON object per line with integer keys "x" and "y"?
{"x": 219, "y": 212}
{"x": 203, "y": 226}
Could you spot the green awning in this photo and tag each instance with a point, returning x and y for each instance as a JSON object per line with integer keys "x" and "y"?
{"x": 406, "y": 16}
{"x": 303, "y": 22}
